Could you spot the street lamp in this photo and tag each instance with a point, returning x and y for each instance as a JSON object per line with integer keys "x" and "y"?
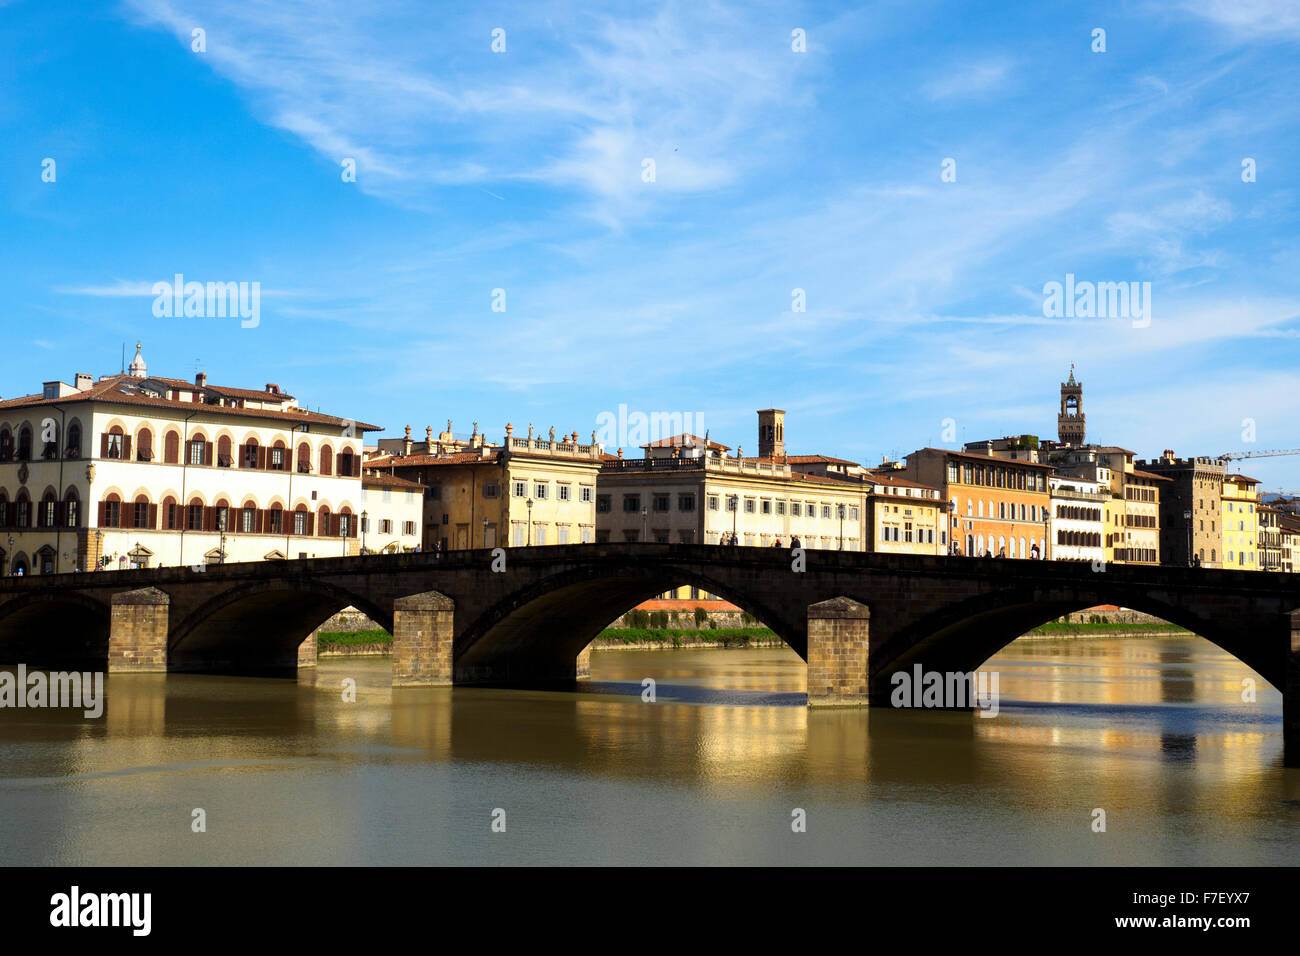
{"x": 841, "y": 511}
{"x": 99, "y": 547}
{"x": 734, "y": 502}
{"x": 9, "y": 558}
{"x": 365, "y": 524}
{"x": 643, "y": 524}
{"x": 530, "y": 520}
{"x": 485, "y": 527}
{"x": 221, "y": 526}
{"x": 1187, "y": 516}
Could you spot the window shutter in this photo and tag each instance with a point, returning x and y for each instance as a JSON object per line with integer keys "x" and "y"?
{"x": 207, "y": 453}
{"x": 242, "y": 453}
{"x": 103, "y": 445}
{"x": 126, "y": 447}
{"x": 100, "y": 522}
{"x": 153, "y": 516}
{"x": 261, "y": 457}
{"x": 338, "y": 464}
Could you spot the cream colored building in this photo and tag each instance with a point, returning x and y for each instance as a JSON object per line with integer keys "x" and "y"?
{"x": 906, "y": 517}
{"x": 392, "y": 514}
{"x": 526, "y": 491}
{"x": 135, "y": 470}
{"x": 1077, "y": 524}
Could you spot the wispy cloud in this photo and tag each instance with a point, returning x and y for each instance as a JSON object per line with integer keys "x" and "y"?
{"x": 970, "y": 80}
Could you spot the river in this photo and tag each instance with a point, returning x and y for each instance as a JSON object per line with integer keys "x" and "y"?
{"x": 1154, "y": 732}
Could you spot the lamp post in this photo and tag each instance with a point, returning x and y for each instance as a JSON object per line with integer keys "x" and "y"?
{"x": 365, "y": 524}
{"x": 221, "y": 526}
{"x": 99, "y": 547}
{"x": 485, "y": 527}
{"x": 529, "y": 502}
{"x": 734, "y": 502}
{"x": 9, "y": 558}
{"x": 643, "y": 525}
{"x": 840, "y": 508}
{"x": 1187, "y": 516}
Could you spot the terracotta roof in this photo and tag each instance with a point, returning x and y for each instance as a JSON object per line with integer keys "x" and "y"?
{"x": 1241, "y": 479}
{"x": 983, "y": 457}
{"x": 882, "y": 478}
{"x": 125, "y": 390}
{"x": 426, "y": 461}
{"x": 220, "y": 389}
{"x": 826, "y": 480}
{"x": 809, "y": 459}
{"x": 388, "y": 481}
{"x": 1146, "y": 474}
{"x": 685, "y": 440}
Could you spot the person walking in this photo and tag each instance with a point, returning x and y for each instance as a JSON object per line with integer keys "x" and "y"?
{"x": 794, "y": 542}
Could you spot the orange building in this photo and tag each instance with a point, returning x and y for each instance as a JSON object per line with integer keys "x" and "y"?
{"x": 996, "y": 506}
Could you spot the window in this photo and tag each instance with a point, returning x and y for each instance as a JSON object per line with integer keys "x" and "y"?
{"x": 539, "y": 490}
{"x": 521, "y": 489}
{"x": 113, "y": 448}
{"x": 713, "y": 503}
{"x": 141, "y": 514}
{"x": 491, "y": 490}
{"x": 385, "y": 526}
{"x": 780, "y": 506}
{"x": 631, "y": 503}
{"x": 563, "y": 492}
{"x": 250, "y": 455}
{"x": 194, "y": 517}
{"x": 749, "y": 506}
{"x": 602, "y": 504}
{"x": 277, "y": 458}
{"x": 585, "y": 493}
{"x": 247, "y": 517}
{"x": 73, "y": 514}
{"x": 194, "y": 453}
{"x": 661, "y": 503}
{"x": 685, "y": 502}
{"x": 144, "y": 445}
{"x": 408, "y": 527}
{"x": 766, "y": 506}
{"x": 304, "y": 459}
{"x": 853, "y": 513}
{"x": 796, "y": 509}
{"x": 731, "y": 502}
{"x": 300, "y": 522}
{"x": 826, "y": 511}
{"x": 275, "y": 521}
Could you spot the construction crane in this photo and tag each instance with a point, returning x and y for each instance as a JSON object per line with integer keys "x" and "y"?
{"x": 1272, "y": 453}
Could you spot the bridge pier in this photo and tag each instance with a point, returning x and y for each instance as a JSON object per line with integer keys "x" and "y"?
{"x": 307, "y": 650}
{"x": 422, "y": 639}
{"x": 838, "y": 653}
{"x": 1291, "y": 692}
{"x": 137, "y": 636}
{"x": 582, "y": 670}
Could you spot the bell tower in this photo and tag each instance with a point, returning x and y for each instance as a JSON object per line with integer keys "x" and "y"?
{"x": 771, "y": 433}
{"x": 1070, "y": 422}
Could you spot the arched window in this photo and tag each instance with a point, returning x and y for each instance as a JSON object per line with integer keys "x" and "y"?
{"x": 72, "y": 447}
{"x": 171, "y": 519}
{"x": 140, "y": 511}
{"x": 194, "y": 515}
{"x": 301, "y": 520}
{"x": 347, "y": 467}
{"x": 323, "y": 521}
{"x": 250, "y": 455}
{"x": 221, "y": 516}
{"x": 25, "y": 443}
{"x": 144, "y": 445}
{"x": 275, "y": 520}
{"x": 304, "y": 458}
{"x": 4, "y": 512}
{"x": 278, "y": 457}
{"x": 115, "y": 444}
{"x": 6, "y": 444}
{"x": 50, "y": 449}
{"x": 71, "y": 509}
{"x": 326, "y": 460}
{"x": 248, "y": 523}
{"x": 47, "y": 516}
{"x": 198, "y": 450}
{"x": 110, "y": 512}
{"x": 172, "y": 448}
{"x": 224, "y": 458}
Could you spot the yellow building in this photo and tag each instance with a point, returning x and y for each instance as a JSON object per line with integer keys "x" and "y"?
{"x": 527, "y": 491}
{"x": 906, "y": 517}
{"x": 1241, "y": 523}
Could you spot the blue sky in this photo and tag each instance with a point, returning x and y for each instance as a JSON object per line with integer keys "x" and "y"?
{"x": 774, "y": 170}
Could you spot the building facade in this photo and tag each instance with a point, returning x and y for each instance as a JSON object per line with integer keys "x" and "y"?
{"x": 525, "y": 491}
{"x": 1191, "y": 508}
{"x": 392, "y": 514}
{"x": 132, "y": 470}
{"x": 1077, "y": 529}
{"x": 997, "y": 506}
{"x": 1240, "y": 521}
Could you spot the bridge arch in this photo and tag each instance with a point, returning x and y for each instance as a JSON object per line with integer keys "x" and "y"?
{"x": 257, "y": 627}
{"x": 540, "y": 629}
{"x": 962, "y": 636}
{"x": 60, "y": 629}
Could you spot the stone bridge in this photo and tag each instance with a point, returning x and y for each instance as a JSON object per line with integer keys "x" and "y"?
{"x": 854, "y": 617}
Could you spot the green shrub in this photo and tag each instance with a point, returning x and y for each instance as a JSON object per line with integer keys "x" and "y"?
{"x": 701, "y": 616}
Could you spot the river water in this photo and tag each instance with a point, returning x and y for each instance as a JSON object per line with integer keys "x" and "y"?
{"x": 1154, "y": 732}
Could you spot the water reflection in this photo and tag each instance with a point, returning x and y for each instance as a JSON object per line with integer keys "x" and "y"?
{"x": 1154, "y": 731}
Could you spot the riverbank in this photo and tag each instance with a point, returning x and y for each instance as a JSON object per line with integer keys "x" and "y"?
{"x": 379, "y": 643}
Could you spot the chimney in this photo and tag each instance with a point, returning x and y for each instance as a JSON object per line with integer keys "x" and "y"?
{"x": 201, "y": 379}
{"x": 83, "y": 381}
{"x": 273, "y": 388}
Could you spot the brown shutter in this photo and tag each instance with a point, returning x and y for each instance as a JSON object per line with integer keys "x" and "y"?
{"x": 100, "y": 522}
{"x": 103, "y": 445}
{"x": 261, "y": 457}
{"x": 126, "y": 447}
{"x": 240, "y": 462}
{"x": 207, "y": 453}
{"x": 153, "y": 516}
{"x": 338, "y": 464}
